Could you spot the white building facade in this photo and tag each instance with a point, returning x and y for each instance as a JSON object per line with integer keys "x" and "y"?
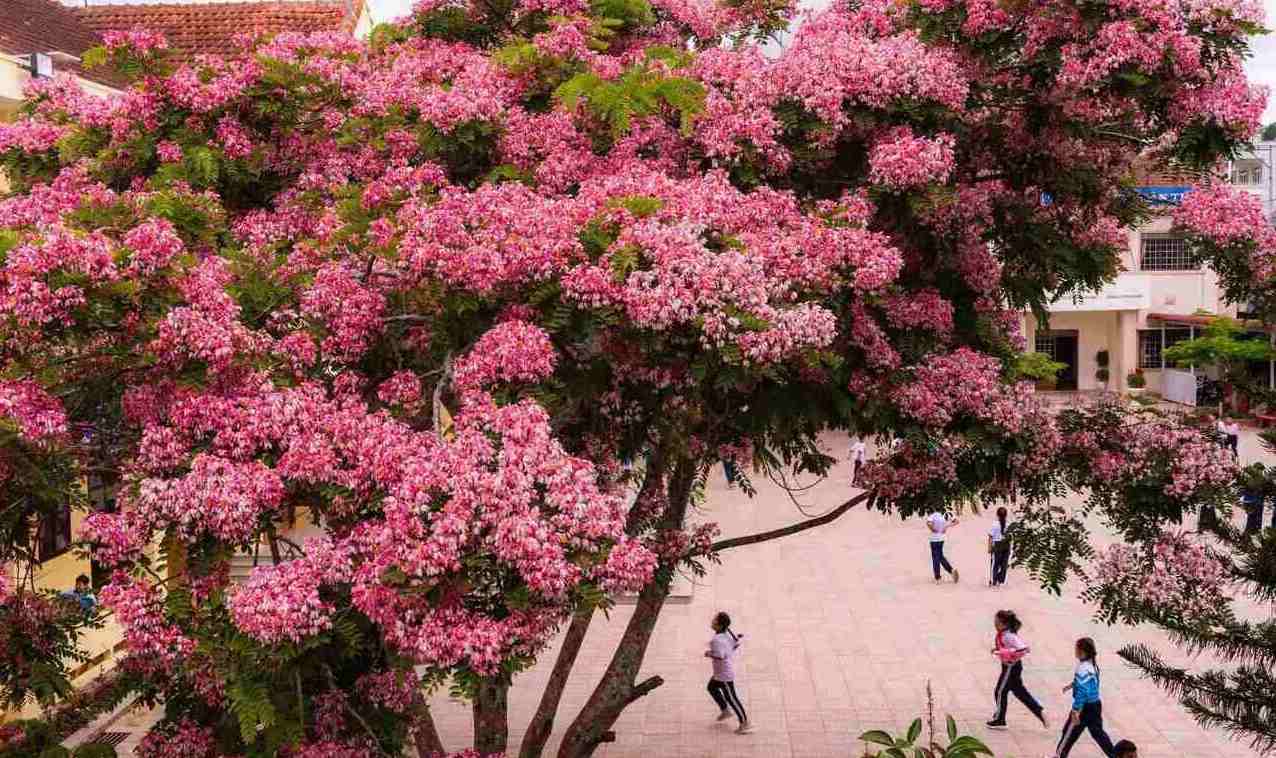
{"x": 1161, "y": 297}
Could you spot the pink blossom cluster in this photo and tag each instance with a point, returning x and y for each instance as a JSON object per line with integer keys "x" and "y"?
{"x": 218, "y": 497}
{"x": 513, "y": 351}
{"x": 1182, "y": 576}
{"x": 923, "y": 309}
{"x": 402, "y": 388}
{"x": 1155, "y": 449}
{"x": 36, "y": 414}
{"x": 185, "y": 739}
{"x": 960, "y": 382}
{"x": 139, "y": 609}
{"x": 30, "y": 135}
{"x": 901, "y": 159}
{"x": 398, "y": 691}
{"x": 282, "y": 602}
{"x": 154, "y": 244}
{"x": 138, "y": 40}
{"x": 1222, "y": 215}
{"x": 524, "y": 502}
{"x": 115, "y": 538}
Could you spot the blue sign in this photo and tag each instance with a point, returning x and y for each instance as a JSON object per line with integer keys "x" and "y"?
{"x": 1163, "y": 195}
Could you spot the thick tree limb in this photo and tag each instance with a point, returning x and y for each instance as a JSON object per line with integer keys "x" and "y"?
{"x": 542, "y": 724}
{"x": 425, "y": 734}
{"x": 801, "y": 526}
{"x": 645, "y": 687}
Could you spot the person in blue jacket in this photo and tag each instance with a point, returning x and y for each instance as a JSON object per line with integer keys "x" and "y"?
{"x": 1087, "y": 708}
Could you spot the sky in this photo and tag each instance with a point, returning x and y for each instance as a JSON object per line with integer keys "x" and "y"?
{"x": 1261, "y": 67}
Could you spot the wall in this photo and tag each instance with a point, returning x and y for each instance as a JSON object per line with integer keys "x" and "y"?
{"x": 1093, "y": 330}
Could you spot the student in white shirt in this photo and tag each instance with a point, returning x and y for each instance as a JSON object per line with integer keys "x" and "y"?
{"x": 1233, "y": 430}
{"x": 999, "y": 549}
{"x": 858, "y": 455}
{"x": 722, "y": 650}
{"x": 938, "y": 524}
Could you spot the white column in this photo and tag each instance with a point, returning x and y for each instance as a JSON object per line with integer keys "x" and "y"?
{"x": 1125, "y": 348}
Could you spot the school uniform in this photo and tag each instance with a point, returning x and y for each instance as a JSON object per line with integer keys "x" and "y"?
{"x": 1085, "y": 700}
{"x": 858, "y": 455}
{"x": 939, "y": 524}
{"x": 1000, "y": 553}
{"x": 722, "y": 650}
{"x": 1011, "y": 649}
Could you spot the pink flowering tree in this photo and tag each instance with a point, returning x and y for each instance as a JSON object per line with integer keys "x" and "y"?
{"x": 427, "y": 293}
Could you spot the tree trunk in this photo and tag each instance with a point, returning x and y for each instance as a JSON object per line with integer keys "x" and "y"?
{"x": 491, "y": 716}
{"x": 618, "y": 687}
{"x": 542, "y": 724}
{"x": 426, "y": 735}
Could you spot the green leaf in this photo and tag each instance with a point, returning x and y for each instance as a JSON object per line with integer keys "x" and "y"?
{"x": 877, "y": 737}
{"x": 952, "y": 728}
{"x": 914, "y": 730}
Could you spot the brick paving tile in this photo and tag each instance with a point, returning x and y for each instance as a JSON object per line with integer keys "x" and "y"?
{"x": 843, "y": 627}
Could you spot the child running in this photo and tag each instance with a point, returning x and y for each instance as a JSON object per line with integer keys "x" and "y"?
{"x": 722, "y": 684}
{"x": 1087, "y": 708}
{"x": 1010, "y": 649}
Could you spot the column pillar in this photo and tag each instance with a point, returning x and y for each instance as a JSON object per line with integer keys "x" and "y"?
{"x": 1125, "y": 349}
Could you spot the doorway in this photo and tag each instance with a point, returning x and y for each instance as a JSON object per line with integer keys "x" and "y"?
{"x": 1061, "y": 346}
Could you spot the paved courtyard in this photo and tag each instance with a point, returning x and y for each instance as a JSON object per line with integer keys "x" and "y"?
{"x": 843, "y": 627}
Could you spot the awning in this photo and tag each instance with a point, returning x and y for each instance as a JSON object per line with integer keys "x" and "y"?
{"x": 1202, "y": 319}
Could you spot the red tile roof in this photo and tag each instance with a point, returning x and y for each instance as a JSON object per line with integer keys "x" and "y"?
{"x": 1150, "y": 172}
{"x": 45, "y": 26}
{"x": 211, "y": 28}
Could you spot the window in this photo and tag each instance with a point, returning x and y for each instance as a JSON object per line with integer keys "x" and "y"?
{"x": 1150, "y": 345}
{"x": 54, "y": 535}
{"x": 1046, "y": 346}
{"x": 1162, "y": 252}
{"x": 1247, "y": 172}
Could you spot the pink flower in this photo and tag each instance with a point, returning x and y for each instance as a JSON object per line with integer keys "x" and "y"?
{"x": 900, "y": 159}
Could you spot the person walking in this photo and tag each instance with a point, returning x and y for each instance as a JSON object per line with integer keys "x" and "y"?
{"x": 999, "y": 550}
{"x": 1087, "y": 708}
{"x": 722, "y": 649}
{"x": 938, "y": 525}
{"x": 1252, "y": 504}
{"x": 858, "y": 455}
{"x": 1010, "y": 649}
{"x": 1229, "y": 434}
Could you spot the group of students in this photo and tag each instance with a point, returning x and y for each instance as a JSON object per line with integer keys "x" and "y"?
{"x": 1087, "y": 707}
{"x": 1010, "y": 650}
{"x": 937, "y": 524}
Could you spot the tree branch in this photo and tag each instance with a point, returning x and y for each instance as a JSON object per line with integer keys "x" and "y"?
{"x": 644, "y": 688}
{"x": 801, "y": 526}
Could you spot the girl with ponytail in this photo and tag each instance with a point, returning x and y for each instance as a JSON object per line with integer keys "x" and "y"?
{"x": 1010, "y": 649}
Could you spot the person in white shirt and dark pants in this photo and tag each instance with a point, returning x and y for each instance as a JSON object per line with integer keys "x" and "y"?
{"x": 999, "y": 550}
{"x": 722, "y": 649}
{"x": 938, "y": 525}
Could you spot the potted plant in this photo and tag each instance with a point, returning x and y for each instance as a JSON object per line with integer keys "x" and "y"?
{"x": 1137, "y": 382}
{"x": 1039, "y": 368}
{"x": 1102, "y": 374}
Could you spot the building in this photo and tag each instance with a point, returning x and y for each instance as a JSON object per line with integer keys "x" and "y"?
{"x": 212, "y": 26}
{"x": 40, "y": 34}
{"x": 1161, "y": 297}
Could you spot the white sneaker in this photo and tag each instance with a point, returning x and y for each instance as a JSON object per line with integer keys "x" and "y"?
{"x": 744, "y": 728}
{"x": 726, "y": 714}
